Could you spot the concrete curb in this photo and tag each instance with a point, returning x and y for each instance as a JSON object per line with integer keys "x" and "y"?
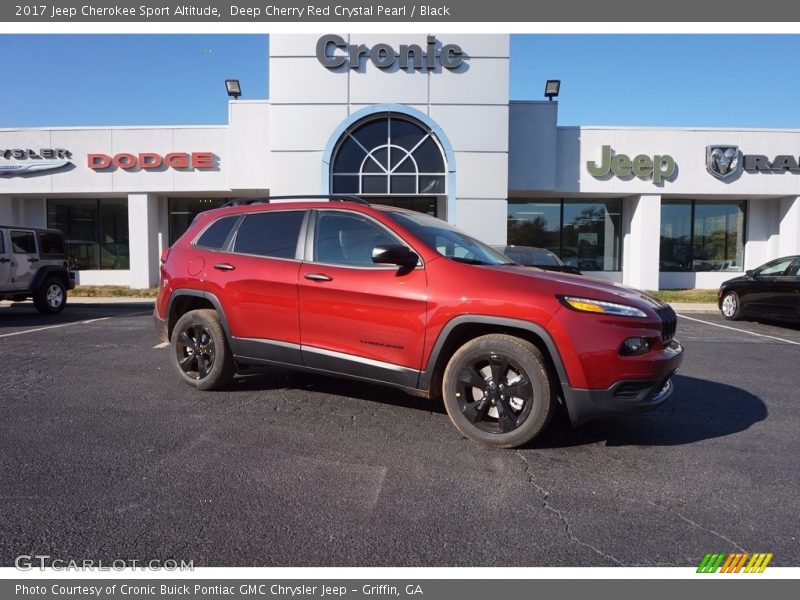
{"x": 694, "y": 307}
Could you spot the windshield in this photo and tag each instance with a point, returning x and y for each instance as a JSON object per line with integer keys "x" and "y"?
{"x": 449, "y": 241}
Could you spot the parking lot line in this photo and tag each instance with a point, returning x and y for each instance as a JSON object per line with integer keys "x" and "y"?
{"x": 772, "y": 337}
{"x": 161, "y": 345}
{"x": 86, "y": 322}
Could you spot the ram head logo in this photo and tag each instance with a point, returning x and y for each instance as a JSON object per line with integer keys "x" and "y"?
{"x": 723, "y": 161}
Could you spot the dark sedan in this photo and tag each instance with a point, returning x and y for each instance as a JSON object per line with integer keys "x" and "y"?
{"x": 541, "y": 258}
{"x": 772, "y": 291}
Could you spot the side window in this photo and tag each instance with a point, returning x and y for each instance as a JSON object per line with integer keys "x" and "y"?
{"x": 214, "y": 237}
{"x": 272, "y": 234}
{"x": 348, "y": 239}
{"x": 2, "y": 242}
{"x": 776, "y": 269}
{"x": 50, "y": 244}
{"x": 23, "y": 242}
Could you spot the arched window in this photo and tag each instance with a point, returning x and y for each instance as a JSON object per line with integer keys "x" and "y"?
{"x": 388, "y": 155}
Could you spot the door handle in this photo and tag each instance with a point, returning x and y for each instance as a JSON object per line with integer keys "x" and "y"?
{"x": 318, "y": 277}
{"x": 224, "y": 267}
{"x": 5, "y": 260}
{"x": 32, "y": 259}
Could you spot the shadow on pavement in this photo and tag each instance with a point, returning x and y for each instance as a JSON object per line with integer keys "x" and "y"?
{"x": 268, "y": 378}
{"x": 698, "y": 410}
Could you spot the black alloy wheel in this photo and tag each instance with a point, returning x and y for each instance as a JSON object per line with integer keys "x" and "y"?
{"x": 497, "y": 390}
{"x": 201, "y": 352}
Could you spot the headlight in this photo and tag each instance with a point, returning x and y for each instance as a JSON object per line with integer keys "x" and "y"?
{"x": 600, "y": 306}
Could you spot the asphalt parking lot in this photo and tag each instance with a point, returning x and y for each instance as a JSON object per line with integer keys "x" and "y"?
{"x": 105, "y": 454}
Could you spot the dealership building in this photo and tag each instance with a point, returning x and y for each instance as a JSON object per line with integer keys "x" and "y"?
{"x": 425, "y": 122}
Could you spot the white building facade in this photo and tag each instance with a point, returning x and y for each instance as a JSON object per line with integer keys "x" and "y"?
{"x": 423, "y": 122}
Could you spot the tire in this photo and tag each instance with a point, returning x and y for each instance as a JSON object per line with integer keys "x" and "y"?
{"x": 51, "y": 297}
{"x": 475, "y": 391}
{"x": 200, "y": 350}
{"x": 730, "y": 306}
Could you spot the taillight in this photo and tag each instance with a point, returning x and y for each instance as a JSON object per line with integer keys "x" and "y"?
{"x": 164, "y": 255}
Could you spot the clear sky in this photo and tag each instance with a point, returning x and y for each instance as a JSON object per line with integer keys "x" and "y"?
{"x": 667, "y": 80}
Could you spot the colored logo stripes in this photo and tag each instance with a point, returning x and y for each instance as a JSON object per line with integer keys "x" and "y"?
{"x": 734, "y": 563}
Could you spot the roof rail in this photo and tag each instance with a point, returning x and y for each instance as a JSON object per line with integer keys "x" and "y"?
{"x": 268, "y": 199}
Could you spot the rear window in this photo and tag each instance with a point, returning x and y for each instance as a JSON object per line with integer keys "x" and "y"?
{"x": 272, "y": 234}
{"x": 23, "y": 242}
{"x": 51, "y": 244}
{"x": 214, "y": 237}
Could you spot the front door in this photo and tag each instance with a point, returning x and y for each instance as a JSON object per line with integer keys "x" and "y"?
{"x": 23, "y": 258}
{"x": 357, "y": 317}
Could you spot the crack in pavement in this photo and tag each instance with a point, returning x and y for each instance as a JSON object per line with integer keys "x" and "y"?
{"x": 688, "y": 520}
{"x": 567, "y": 527}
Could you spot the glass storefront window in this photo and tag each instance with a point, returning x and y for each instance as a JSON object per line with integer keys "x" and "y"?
{"x": 583, "y": 233}
{"x": 702, "y": 235}
{"x": 95, "y": 231}
{"x": 182, "y": 212}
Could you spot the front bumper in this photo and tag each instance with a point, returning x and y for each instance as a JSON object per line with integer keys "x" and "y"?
{"x": 625, "y": 397}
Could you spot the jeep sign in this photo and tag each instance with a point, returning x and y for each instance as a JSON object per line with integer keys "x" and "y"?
{"x": 657, "y": 168}
{"x": 333, "y": 52}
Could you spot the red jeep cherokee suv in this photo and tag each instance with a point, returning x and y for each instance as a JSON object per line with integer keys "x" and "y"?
{"x": 392, "y": 296}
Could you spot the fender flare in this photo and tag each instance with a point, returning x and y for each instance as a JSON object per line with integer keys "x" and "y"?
{"x": 206, "y": 296}
{"x": 44, "y": 272}
{"x": 539, "y": 331}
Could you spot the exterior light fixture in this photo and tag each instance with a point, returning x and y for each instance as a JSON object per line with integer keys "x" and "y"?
{"x": 551, "y": 88}
{"x": 233, "y": 88}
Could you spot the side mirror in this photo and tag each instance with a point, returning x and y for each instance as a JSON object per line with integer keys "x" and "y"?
{"x": 750, "y": 273}
{"x": 394, "y": 254}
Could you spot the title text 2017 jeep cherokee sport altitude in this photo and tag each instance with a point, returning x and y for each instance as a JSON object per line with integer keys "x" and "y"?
{"x": 402, "y": 298}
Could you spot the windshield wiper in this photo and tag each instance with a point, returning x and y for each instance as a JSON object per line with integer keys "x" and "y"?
{"x": 469, "y": 261}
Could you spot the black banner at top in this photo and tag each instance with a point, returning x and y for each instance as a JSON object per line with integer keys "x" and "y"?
{"x": 343, "y": 11}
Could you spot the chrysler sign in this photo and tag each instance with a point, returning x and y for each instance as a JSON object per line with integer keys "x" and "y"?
{"x": 333, "y": 52}
{"x": 23, "y": 161}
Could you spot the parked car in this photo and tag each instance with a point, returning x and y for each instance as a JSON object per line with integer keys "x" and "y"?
{"x": 33, "y": 264}
{"x": 541, "y": 258}
{"x": 772, "y": 291}
{"x": 387, "y": 295}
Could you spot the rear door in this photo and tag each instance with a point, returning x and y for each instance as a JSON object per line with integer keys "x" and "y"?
{"x": 255, "y": 280}
{"x": 24, "y": 258}
{"x": 357, "y": 317}
{"x": 5, "y": 262}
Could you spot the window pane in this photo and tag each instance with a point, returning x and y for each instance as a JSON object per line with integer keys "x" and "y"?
{"x": 404, "y": 184}
{"x": 374, "y": 184}
{"x": 401, "y": 161}
{"x": 431, "y": 184}
{"x": 345, "y": 184}
{"x": 347, "y": 239}
{"x": 269, "y": 234}
{"x": 113, "y": 240}
{"x": 23, "y": 242}
{"x": 378, "y": 163}
{"x": 676, "y": 232}
{"x": 214, "y": 237}
{"x": 535, "y": 224}
{"x": 429, "y": 157}
{"x": 49, "y": 244}
{"x": 775, "y": 268}
{"x": 590, "y": 234}
{"x": 406, "y": 134}
{"x": 373, "y": 134}
{"x": 718, "y": 236}
{"x": 348, "y": 157}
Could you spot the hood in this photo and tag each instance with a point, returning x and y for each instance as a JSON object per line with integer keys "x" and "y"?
{"x": 583, "y": 286}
